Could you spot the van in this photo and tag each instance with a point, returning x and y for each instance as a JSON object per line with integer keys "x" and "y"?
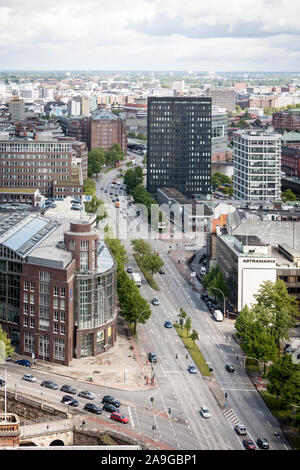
{"x": 203, "y": 271}
{"x": 218, "y": 316}
{"x": 241, "y": 429}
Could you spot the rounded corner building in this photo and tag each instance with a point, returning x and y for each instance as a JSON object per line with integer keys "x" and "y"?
{"x": 58, "y": 296}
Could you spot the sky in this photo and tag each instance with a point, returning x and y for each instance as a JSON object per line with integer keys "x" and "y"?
{"x": 183, "y": 35}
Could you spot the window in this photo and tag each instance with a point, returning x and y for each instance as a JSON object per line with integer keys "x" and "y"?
{"x": 25, "y": 285}
{"x": 63, "y": 292}
{"x": 55, "y": 327}
{"x": 32, "y": 310}
{"x": 55, "y": 291}
{"x": 62, "y": 317}
{"x": 55, "y": 303}
{"x": 32, "y": 287}
{"x": 62, "y": 305}
{"x": 62, "y": 329}
{"x": 25, "y": 298}
{"x": 44, "y": 276}
{"x": 59, "y": 348}
{"x": 28, "y": 342}
{"x": 55, "y": 315}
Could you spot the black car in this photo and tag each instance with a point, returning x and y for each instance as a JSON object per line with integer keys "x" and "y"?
{"x": 262, "y": 443}
{"x": 152, "y": 357}
{"x": 86, "y": 394}
{"x": 92, "y": 408}
{"x": 68, "y": 389}
{"x": 69, "y": 400}
{"x": 2, "y": 382}
{"x": 110, "y": 408}
{"x": 229, "y": 367}
{"x": 49, "y": 384}
{"x": 111, "y": 400}
{"x": 204, "y": 297}
{"x": 162, "y": 271}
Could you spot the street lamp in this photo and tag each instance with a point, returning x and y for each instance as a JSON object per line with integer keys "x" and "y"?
{"x": 136, "y": 321}
{"x": 224, "y": 309}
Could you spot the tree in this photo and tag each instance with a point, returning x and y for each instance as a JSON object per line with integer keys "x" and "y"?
{"x": 187, "y": 326}
{"x": 6, "y": 349}
{"x": 131, "y": 135}
{"x": 276, "y": 308}
{"x": 288, "y": 195}
{"x": 132, "y": 179}
{"x": 182, "y": 316}
{"x": 141, "y": 246}
{"x": 89, "y": 187}
{"x": 194, "y": 337}
{"x": 152, "y": 262}
{"x": 280, "y": 373}
{"x": 94, "y": 206}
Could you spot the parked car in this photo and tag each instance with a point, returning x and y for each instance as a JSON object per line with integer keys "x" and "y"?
{"x": 2, "y": 382}
{"x": 262, "y": 443}
{"x": 240, "y": 429}
{"x": 204, "y": 297}
{"x": 204, "y": 411}
{"x": 249, "y": 444}
{"x": 229, "y": 367}
{"x": 155, "y": 301}
{"x": 23, "y": 362}
{"x": 110, "y": 408}
{"x": 76, "y": 201}
{"x": 92, "y": 408}
{"x": 119, "y": 417}
{"x": 162, "y": 271}
{"x": 69, "y": 400}
{"x": 74, "y": 207}
{"x": 29, "y": 378}
{"x": 68, "y": 389}
{"x": 168, "y": 324}
{"x": 49, "y": 384}
{"x": 111, "y": 400}
{"x": 192, "y": 369}
{"x": 86, "y": 394}
{"x": 152, "y": 358}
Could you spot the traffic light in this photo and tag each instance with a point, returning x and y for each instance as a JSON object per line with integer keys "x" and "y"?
{"x": 237, "y": 358}
{"x": 186, "y": 356}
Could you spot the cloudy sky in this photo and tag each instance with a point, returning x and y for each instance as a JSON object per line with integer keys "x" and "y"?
{"x": 198, "y": 35}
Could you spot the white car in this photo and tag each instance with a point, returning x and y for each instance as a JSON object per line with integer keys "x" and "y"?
{"x": 204, "y": 411}
{"x": 29, "y": 378}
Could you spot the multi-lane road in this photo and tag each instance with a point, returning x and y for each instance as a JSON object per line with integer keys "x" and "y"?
{"x": 182, "y": 392}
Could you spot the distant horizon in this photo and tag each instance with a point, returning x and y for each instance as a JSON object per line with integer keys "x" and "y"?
{"x": 149, "y": 71}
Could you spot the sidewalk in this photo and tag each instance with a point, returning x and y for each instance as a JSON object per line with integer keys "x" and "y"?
{"x": 121, "y": 367}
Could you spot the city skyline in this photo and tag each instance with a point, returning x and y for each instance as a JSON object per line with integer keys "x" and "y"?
{"x": 246, "y": 35}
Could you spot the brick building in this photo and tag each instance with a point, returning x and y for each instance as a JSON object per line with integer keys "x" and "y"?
{"x": 57, "y": 287}
{"x": 287, "y": 120}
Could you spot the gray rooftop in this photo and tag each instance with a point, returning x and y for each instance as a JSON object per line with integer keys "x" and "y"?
{"x": 103, "y": 114}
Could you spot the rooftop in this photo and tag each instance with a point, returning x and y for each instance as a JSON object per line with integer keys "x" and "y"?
{"x": 291, "y": 137}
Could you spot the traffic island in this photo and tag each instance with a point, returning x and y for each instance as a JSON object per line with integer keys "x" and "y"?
{"x": 193, "y": 350}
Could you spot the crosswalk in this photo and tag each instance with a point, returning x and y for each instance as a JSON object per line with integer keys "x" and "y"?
{"x": 231, "y": 417}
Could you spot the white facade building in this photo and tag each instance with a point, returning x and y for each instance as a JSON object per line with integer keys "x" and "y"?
{"x": 257, "y": 162}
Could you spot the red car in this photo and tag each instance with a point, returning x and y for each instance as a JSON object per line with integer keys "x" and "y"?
{"x": 119, "y": 417}
{"x": 248, "y": 444}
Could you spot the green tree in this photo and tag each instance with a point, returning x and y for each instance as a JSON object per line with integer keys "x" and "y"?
{"x": 6, "y": 349}
{"x": 288, "y": 195}
{"x": 280, "y": 373}
{"x": 182, "y": 315}
{"x": 187, "y": 326}
{"x": 194, "y": 337}
{"x": 142, "y": 247}
{"x": 89, "y": 187}
{"x": 131, "y": 135}
{"x": 152, "y": 262}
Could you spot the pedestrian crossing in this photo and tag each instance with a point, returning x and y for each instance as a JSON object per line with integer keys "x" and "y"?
{"x": 231, "y": 417}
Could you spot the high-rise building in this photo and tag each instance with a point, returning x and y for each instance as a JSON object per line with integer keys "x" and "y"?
{"x": 179, "y": 145}
{"x": 106, "y": 129}
{"x": 223, "y": 97}
{"x": 16, "y": 108}
{"x": 257, "y": 166}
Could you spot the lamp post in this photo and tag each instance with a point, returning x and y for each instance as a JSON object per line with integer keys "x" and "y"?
{"x": 224, "y": 308}
{"x": 136, "y": 321}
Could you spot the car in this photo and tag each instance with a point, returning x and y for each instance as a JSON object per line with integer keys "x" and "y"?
{"x": 53, "y": 206}
{"x": 2, "y": 382}
{"x": 155, "y": 301}
{"x": 162, "y": 271}
{"x": 240, "y": 429}
{"x": 229, "y": 367}
{"x": 113, "y": 200}
{"x": 76, "y": 201}
{"x": 102, "y": 188}
{"x": 75, "y": 208}
{"x": 68, "y": 389}
{"x": 29, "y": 378}
{"x": 23, "y": 362}
{"x": 152, "y": 358}
{"x": 262, "y": 443}
{"x": 92, "y": 408}
{"x": 204, "y": 297}
{"x": 49, "y": 384}
{"x": 111, "y": 400}
{"x": 168, "y": 324}
{"x": 86, "y": 394}
{"x": 105, "y": 190}
{"x": 110, "y": 408}
{"x": 211, "y": 309}
{"x": 192, "y": 369}
{"x": 204, "y": 411}
{"x": 249, "y": 444}
{"x": 69, "y": 400}
{"x": 119, "y": 417}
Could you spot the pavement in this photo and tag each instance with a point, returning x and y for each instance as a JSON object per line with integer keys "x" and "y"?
{"x": 122, "y": 367}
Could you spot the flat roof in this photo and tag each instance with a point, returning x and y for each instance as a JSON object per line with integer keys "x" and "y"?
{"x": 250, "y": 240}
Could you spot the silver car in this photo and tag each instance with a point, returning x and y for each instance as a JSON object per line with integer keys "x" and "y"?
{"x": 29, "y": 378}
{"x": 204, "y": 411}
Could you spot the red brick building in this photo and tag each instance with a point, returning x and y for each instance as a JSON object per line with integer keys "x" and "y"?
{"x": 287, "y": 120}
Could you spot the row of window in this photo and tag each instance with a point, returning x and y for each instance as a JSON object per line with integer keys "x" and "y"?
{"x": 44, "y": 350}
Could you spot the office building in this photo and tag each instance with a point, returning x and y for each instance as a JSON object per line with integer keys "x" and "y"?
{"x": 106, "y": 129}
{"x": 257, "y": 166}
{"x": 222, "y": 97}
{"x": 16, "y": 108}
{"x": 57, "y": 287}
{"x": 287, "y": 120}
{"x": 179, "y": 145}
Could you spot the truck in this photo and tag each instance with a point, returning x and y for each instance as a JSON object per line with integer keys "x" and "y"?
{"x": 218, "y": 315}
{"x": 137, "y": 279}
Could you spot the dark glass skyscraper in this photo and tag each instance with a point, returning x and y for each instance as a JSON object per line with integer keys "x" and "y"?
{"x": 179, "y": 145}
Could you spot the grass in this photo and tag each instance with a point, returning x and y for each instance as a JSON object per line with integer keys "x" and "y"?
{"x": 146, "y": 273}
{"x": 193, "y": 350}
{"x": 110, "y": 169}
